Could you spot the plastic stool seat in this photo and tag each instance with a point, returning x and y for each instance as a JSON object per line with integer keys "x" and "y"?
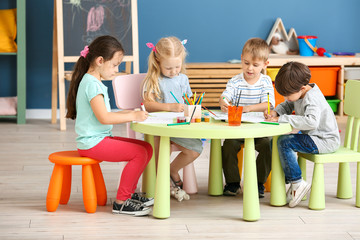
{"x": 93, "y": 185}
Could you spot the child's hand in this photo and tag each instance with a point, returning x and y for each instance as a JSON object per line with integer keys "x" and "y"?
{"x": 176, "y": 107}
{"x": 272, "y": 117}
{"x": 223, "y": 105}
{"x": 140, "y": 115}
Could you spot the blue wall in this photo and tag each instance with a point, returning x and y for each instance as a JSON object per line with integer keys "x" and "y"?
{"x": 216, "y": 32}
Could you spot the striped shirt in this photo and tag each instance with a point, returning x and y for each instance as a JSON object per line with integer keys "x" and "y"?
{"x": 250, "y": 94}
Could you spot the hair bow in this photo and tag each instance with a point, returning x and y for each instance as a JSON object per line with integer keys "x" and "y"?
{"x": 183, "y": 42}
{"x": 84, "y": 52}
{"x": 152, "y": 46}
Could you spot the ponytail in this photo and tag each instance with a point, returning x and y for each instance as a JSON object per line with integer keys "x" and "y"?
{"x": 81, "y": 67}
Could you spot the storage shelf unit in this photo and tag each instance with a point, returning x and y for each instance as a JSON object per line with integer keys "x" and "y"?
{"x": 20, "y": 62}
{"x": 211, "y": 78}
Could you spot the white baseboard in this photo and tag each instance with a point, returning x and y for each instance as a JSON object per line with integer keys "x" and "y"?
{"x": 39, "y": 113}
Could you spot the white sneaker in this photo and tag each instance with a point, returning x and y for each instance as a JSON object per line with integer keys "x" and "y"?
{"x": 299, "y": 193}
{"x": 288, "y": 192}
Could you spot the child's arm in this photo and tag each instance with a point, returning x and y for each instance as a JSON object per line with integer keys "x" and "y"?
{"x": 105, "y": 117}
{"x": 260, "y": 107}
{"x": 153, "y": 106}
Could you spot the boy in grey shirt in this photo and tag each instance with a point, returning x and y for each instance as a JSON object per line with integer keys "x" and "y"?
{"x": 313, "y": 116}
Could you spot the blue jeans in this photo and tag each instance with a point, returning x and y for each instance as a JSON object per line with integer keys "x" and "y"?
{"x": 287, "y": 146}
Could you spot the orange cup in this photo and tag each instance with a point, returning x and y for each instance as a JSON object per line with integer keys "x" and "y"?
{"x": 234, "y": 115}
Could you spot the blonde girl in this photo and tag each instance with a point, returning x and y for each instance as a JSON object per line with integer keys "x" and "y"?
{"x": 88, "y": 103}
{"x": 165, "y": 75}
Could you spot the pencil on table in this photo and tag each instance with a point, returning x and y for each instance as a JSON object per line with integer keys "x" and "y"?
{"x": 208, "y": 110}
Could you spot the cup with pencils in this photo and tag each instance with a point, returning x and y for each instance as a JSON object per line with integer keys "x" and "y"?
{"x": 235, "y": 112}
{"x": 191, "y": 104}
{"x": 234, "y": 115}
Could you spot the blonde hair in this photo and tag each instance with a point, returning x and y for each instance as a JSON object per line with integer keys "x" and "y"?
{"x": 165, "y": 48}
{"x": 258, "y": 48}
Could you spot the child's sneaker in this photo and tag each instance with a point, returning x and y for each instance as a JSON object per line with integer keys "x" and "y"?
{"x": 288, "y": 192}
{"x": 231, "y": 189}
{"x": 144, "y": 200}
{"x": 298, "y": 193}
{"x": 131, "y": 207}
{"x": 261, "y": 190}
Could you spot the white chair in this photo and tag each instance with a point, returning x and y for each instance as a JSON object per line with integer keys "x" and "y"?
{"x": 127, "y": 91}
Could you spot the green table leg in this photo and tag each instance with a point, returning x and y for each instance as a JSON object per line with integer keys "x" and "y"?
{"x": 162, "y": 188}
{"x": 278, "y": 194}
{"x": 149, "y": 175}
{"x": 251, "y": 206}
{"x": 215, "y": 187}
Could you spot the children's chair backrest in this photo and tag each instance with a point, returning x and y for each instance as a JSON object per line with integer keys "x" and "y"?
{"x": 127, "y": 90}
{"x": 352, "y": 109}
{"x": 352, "y": 98}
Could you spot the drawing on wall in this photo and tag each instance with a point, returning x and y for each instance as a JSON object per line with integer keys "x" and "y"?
{"x": 84, "y": 20}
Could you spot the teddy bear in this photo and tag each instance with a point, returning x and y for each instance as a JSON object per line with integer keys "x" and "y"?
{"x": 279, "y": 46}
{"x": 179, "y": 194}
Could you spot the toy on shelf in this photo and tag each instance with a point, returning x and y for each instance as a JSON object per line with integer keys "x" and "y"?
{"x": 320, "y": 51}
{"x": 278, "y": 45}
{"x": 349, "y": 54}
{"x": 282, "y": 42}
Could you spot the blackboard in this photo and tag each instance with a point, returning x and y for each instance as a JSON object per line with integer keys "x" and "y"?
{"x": 84, "y": 20}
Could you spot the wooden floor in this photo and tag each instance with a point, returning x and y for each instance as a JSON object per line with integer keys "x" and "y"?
{"x": 24, "y": 177}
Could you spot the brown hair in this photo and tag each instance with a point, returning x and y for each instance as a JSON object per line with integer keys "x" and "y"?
{"x": 291, "y": 77}
{"x": 166, "y": 47}
{"x": 104, "y": 46}
{"x": 258, "y": 48}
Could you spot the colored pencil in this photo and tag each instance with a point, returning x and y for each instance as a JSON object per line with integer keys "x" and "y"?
{"x": 208, "y": 110}
{"x": 268, "y": 103}
{"x": 186, "y": 101}
{"x": 174, "y": 97}
{"x": 202, "y": 96}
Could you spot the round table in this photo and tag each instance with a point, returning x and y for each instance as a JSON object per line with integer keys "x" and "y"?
{"x": 215, "y": 130}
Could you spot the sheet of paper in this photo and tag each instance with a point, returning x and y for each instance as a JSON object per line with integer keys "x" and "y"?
{"x": 253, "y": 117}
{"x": 162, "y": 117}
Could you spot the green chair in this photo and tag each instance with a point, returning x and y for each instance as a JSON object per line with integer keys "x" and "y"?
{"x": 350, "y": 152}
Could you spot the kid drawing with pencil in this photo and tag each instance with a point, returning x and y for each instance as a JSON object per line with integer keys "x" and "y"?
{"x": 313, "y": 116}
{"x": 255, "y": 88}
{"x": 163, "y": 89}
{"x": 88, "y": 104}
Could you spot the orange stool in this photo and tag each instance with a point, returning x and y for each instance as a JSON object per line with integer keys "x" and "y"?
{"x": 240, "y": 157}
{"x": 93, "y": 185}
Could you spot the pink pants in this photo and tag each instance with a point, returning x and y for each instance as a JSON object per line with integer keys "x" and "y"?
{"x": 118, "y": 149}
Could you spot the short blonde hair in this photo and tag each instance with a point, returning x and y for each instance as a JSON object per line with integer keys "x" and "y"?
{"x": 165, "y": 48}
{"x": 258, "y": 48}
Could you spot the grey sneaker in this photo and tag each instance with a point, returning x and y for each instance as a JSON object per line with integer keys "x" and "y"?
{"x": 299, "y": 193}
{"x": 131, "y": 207}
{"x": 144, "y": 200}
